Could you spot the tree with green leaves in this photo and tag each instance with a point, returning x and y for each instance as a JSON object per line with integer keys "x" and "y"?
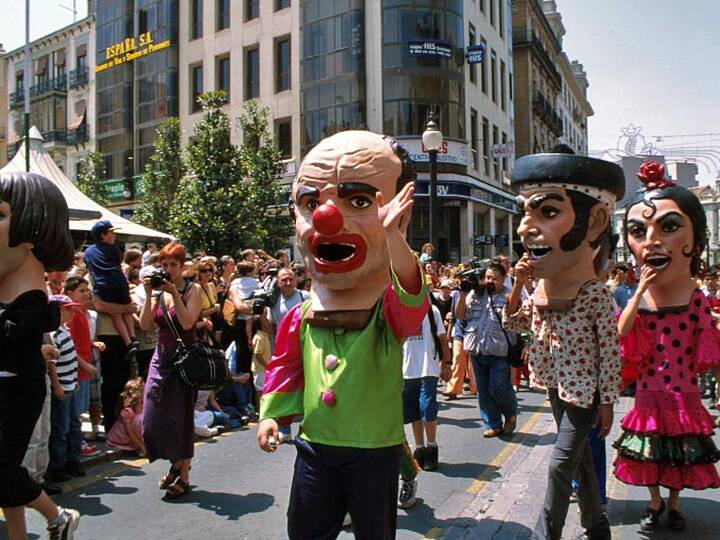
{"x": 209, "y": 211}
{"x": 91, "y": 178}
{"x": 269, "y": 225}
{"x": 162, "y": 177}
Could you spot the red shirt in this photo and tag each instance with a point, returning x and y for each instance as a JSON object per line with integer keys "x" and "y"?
{"x": 80, "y": 333}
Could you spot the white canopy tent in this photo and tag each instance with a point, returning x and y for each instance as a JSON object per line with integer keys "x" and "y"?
{"x": 42, "y": 163}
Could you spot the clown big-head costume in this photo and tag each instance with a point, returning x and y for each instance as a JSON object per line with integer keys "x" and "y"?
{"x": 338, "y": 356}
{"x": 336, "y": 216}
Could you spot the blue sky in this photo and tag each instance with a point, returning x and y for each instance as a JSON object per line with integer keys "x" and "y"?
{"x": 653, "y": 63}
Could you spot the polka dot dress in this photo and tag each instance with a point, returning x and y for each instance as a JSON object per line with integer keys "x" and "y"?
{"x": 667, "y": 436}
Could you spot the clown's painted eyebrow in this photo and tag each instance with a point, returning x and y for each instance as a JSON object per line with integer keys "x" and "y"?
{"x": 536, "y": 200}
{"x": 346, "y": 189}
{"x": 307, "y": 191}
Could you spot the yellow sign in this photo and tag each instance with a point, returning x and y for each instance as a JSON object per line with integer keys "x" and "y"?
{"x": 129, "y": 49}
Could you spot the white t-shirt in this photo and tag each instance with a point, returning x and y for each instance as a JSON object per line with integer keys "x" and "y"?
{"x": 245, "y": 286}
{"x": 419, "y": 356}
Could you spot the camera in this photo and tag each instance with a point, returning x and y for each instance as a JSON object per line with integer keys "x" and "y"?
{"x": 474, "y": 278}
{"x": 158, "y": 277}
{"x": 267, "y": 294}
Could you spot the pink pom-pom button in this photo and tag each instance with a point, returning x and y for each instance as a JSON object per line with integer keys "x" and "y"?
{"x": 328, "y": 398}
{"x": 331, "y": 361}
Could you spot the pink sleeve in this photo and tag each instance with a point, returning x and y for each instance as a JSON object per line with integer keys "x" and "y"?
{"x": 634, "y": 347}
{"x": 127, "y": 413}
{"x": 284, "y": 371}
{"x": 707, "y": 348}
{"x": 403, "y": 311}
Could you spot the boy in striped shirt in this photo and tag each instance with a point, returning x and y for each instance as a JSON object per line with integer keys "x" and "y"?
{"x": 65, "y": 409}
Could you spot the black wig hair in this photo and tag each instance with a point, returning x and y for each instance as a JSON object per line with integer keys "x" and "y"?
{"x": 690, "y": 205}
{"x": 40, "y": 217}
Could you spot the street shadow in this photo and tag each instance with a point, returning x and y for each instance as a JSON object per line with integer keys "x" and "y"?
{"x": 421, "y": 519}
{"x": 229, "y": 505}
{"x": 533, "y": 439}
{"x": 468, "y": 470}
{"x": 88, "y": 500}
{"x": 460, "y": 422}
{"x": 445, "y": 405}
{"x": 526, "y": 408}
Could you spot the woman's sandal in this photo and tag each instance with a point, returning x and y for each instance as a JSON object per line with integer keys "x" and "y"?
{"x": 177, "y": 490}
{"x": 676, "y": 521}
{"x": 649, "y": 521}
{"x": 169, "y": 479}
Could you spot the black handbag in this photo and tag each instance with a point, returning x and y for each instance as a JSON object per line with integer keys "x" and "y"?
{"x": 515, "y": 350}
{"x": 198, "y": 365}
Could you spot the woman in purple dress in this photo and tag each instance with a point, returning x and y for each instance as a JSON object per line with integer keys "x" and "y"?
{"x": 168, "y": 418}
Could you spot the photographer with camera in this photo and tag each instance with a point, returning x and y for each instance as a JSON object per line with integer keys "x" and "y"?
{"x": 169, "y": 410}
{"x": 480, "y": 303}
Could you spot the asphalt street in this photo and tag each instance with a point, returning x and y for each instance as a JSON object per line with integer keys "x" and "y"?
{"x": 240, "y": 492}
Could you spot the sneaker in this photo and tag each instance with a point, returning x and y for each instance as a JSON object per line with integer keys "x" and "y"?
{"x": 450, "y": 396}
{"x": 89, "y": 450}
{"x": 419, "y": 455}
{"x": 406, "y": 498}
{"x": 66, "y": 530}
{"x": 74, "y": 469}
{"x": 431, "y": 458}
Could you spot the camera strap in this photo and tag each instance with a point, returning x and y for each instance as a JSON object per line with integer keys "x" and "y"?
{"x": 170, "y": 322}
{"x": 497, "y": 319}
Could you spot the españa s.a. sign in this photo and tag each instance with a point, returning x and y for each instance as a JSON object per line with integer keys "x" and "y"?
{"x": 129, "y": 49}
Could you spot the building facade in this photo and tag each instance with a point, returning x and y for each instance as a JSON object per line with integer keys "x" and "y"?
{"x": 551, "y": 102}
{"x": 62, "y": 94}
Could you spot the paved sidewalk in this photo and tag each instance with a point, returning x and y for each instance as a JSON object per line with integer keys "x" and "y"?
{"x": 510, "y": 508}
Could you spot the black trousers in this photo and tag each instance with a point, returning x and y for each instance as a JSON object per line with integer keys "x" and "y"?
{"x": 21, "y": 402}
{"x": 115, "y": 369}
{"x": 331, "y": 480}
{"x": 571, "y": 459}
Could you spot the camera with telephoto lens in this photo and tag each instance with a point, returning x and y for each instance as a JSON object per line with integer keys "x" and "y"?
{"x": 473, "y": 279}
{"x": 158, "y": 277}
{"x": 267, "y": 294}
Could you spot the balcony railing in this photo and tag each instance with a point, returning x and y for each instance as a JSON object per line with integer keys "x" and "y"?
{"x": 525, "y": 37}
{"x": 543, "y": 108}
{"x": 79, "y": 77}
{"x": 55, "y": 136}
{"x": 17, "y": 98}
{"x": 58, "y": 84}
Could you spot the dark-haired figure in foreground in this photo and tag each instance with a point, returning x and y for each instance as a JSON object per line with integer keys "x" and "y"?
{"x": 338, "y": 355}
{"x": 34, "y": 238}
{"x": 668, "y": 336}
{"x": 567, "y": 202}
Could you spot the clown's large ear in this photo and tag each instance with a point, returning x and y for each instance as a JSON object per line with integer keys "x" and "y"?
{"x": 598, "y": 221}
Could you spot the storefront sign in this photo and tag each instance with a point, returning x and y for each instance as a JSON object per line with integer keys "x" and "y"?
{"x": 453, "y": 152}
{"x": 475, "y": 54}
{"x": 502, "y": 150}
{"x": 430, "y": 47}
{"x": 484, "y": 240}
{"x": 502, "y": 240}
{"x": 129, "y": 49}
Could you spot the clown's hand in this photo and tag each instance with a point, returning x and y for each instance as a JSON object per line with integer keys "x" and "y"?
{"x": 267, "y": 435}
{"x": 395, "y": 215}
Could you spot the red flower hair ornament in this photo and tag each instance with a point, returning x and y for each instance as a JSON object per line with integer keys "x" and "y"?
{"x": 652, "y": 174}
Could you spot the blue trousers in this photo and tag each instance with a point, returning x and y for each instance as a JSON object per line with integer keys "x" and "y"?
{"x": 331, "y": 480}
{"x": 599, "y": 458}
{"x": 65, "y": 430}
{"x": 496, "y": 397}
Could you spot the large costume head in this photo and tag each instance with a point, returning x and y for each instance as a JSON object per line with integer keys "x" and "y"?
{"x": 566, "y": 201}
{"x": 665, "y": 227}
{"x": 336, "y": 212}
{"x": 33, "y": 224}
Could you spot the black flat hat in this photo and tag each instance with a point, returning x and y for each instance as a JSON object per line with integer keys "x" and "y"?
{"x": 563, "y": 168}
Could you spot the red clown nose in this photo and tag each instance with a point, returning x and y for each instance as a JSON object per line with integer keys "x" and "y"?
{"x": 327, "y": 219}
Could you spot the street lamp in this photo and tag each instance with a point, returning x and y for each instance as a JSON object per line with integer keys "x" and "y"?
{"x": 432, "y": 139}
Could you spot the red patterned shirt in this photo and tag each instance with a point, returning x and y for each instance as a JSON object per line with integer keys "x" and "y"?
{"x": 576, "y": 351}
